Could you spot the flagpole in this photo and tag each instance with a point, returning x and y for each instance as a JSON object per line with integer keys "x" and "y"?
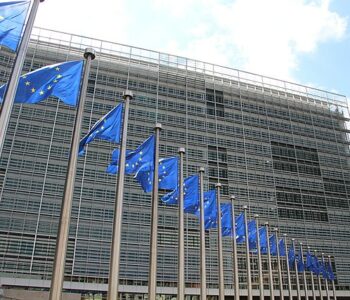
{"x": 113, "y": 279}
{"x": 249, "y": 278}
{"x": 66, "y": 208}
{"x": 279, "y": 264}
{"x": 181, "y": 249}
{"x": 333, "y": 284}
{"x": 220, "y": 257}
{"x": 296, "y": 272}
{"x": 152, "y": 277}
{"x": 304, "y": 272}
{"x": 11, "y": 89}
{"x": 234, "y": 244}
{"x": 312, "y": 281}
{"x": 325, "y": 279}
{"x": 319, "y": 279}
{"x": 203, "y": 273}
{"x": 288, "y": 269}
{"x": 272, "y": 297}
{"x": 261, "y": 283}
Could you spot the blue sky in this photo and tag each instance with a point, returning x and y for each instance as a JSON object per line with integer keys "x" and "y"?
{"x": 304, "y": 41}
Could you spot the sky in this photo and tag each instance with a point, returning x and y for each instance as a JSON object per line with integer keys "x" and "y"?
{"x": 303, "y": 41}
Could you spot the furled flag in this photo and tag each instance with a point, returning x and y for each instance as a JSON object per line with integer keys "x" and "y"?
{"x": 263, "y": 239}
{"x": 60, "y": 80}
{"x": 107, "y": 128}
{"x": 210, "y": 210}
{"x": 240, "y": 228}
{"x": 273, "y": 245}
{"x": 316, "y": 265}
{"x": 226, "y": 219}
{"x": 191, "y": 195}
{"x": 252, "y": 236}
{"x": 282, "y": 247}
{"x": 167, "y": 174}
{"x": 331, "y": 275}
{"x": 300, "y": 263}
{"x": 134, "y": 159}
{"x": 309, "y": 261}
{"x": 12, "y": 17}
{"x": 291, "y": 257}
{"x": 323, "y": 270}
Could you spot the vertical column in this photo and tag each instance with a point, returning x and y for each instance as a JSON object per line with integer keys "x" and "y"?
{"x": 181, "y": 245}
{"x": 272, "y": 297}
{"x": 203, "y": 273}
{"x": 220, "y": 257}
{"x": 234, "y": 246}
{"x": 152, "y": 277}
{"x": 66, "y": 209}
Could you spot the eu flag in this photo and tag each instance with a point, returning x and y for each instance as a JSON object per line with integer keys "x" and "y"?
{"x": 323, "y": 270}
{"x": 12, "y": 17}
{"x": 273, "y": 245}
{"x": 331, "y": 275}
{"x": 226, "y": 219}
{"x": 252, "y": 235}
{"x": 60, "y": 80}
{"x": 263, "y": 239}
{"x": 167, "y": 174}
{"x": 300, "y": 263}
{"x": 240, "y": 228}
{"x": 191, "y": 195}
{"x": 282, "y": 247}
{"x": 291, "y": 257}
{"x": 134, "y": 159}
{"x": 210, "y": 210}
{"x": 107, "y": 128}
{"x": 316, "y": 265}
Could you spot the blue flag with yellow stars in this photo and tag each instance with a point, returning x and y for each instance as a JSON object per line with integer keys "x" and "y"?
{"x": 12, "y": 17}
{"x": 226, "y": 219}
{"x": 331, "y": 275}
{"x": 191, "y": 195}
{"x": 252, "y": 235}
{"x": 300, "y": 262}
{"x": 240, "y": 228}
{"x": 291, "y": 257}
{"x": 210, "y": 210}
{"x": 60, "y": 80}
{"x": 134, "y": 159}
{"x": 282, "y": 248}
{"x": 273, "y": 245}
{"x": 108, "y": 128}
{"x": 263, "y": 239}
{"x": 167, "y": 174}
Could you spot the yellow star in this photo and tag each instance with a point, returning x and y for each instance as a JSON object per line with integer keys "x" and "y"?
{"x": 59, "y": 76}
{"x": 57, "y": 68}
{"x": 33, "y": 90}
{"x": 1, "y": 18}
{"x": 41, "y": 93}
{"x": 49, "y": 87}
{"x": 55, "y": 80}
{"x": 27, "y": 83}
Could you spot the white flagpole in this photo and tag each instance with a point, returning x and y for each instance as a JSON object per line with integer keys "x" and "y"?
{"x": 261, "y": 283}
{"x": 249, "y": 278}
{"x": 333, "y": 284}
{"x": 288, "y": 269}
{"x": 304, "y": 272}
{"x": 279, "y": 265}
{"x": 181, "y": 245}
{"x": 234, "y": 246}
{"x": 114, "y": 265}
{"x": 325, "y": 280}
{"x": 11, "y": 89}
{"x": 319, "y": 279}
{"x": 203, "y": 273}
{"x": 272, "y": 297}
{"x": 66, "y": 208}
{"x": 312, "y": 281}
{"x": 296, "y": 272}
{"x": 152, "y": 276}
{"x": 220, "y": 257}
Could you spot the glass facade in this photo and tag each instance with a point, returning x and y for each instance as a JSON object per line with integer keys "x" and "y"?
{"x": 280, "y": 148}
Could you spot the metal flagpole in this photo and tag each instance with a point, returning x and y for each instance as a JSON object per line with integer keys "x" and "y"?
{"x": 312, "y": 281}
{"x": 66, "y": 209}
{"x": 11, "y": 89}
{"x": 203, "y": 273}
{"x": 181, "y": 249}
{"x": 249, "y": 278}
{"x": 272, "y": 297}
{"x": 220, "y": 257}
{"x": 288, "y": 269}
{"x": 319, "y": 279}
{"x": 296, "y": 272}
{"x": 113, "y": 280}
{"x": 234, "y": 246}
{"x": 152, "y": 277}
{"x": 333, "y": 284}
{"x": 304, "y": 272}
{"x": 261, "y": 283}
{"x": 279, "y": 264}
{"x": 325, "y": 279}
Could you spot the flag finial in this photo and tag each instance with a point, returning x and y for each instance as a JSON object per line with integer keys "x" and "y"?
{"x": 89, "y": 52}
